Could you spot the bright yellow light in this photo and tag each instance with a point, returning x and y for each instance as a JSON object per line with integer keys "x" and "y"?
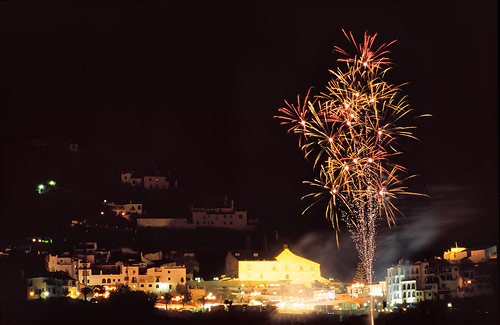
{"x": 303, "y": 122}
{"x": 346, "y": 167}
{"x": 34, "y": 239}
{"x": 379, "y": 132}
{"x": 349, "y": 123}
{"x": 255, "y": 293}
{"x": 370, "y": 160}
{"x": 346, "y": 105}
{"x": 334, "y": 191}
{"x": 102, "y": 212}
{"x": 450, "y": 305}
{"x": 365, "y": 64}
{"x": 352, "y": 115}
{"x": 355, "y": 160}
{"x": 330, "y": 139}
{"x": 372, "y": 100}
{"x": 210, "y": 296}
{"x": 32, "y": 293}
{"x": 356, "y": 94}
{"x": 381, "y": 192}
{"x": 178, "y": 298}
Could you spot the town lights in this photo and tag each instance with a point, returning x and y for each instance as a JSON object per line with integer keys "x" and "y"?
{"x": 52, "y": 183}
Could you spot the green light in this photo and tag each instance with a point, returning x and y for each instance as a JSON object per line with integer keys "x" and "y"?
{"x": 41, "y": 186}
{"x": 52, "y": 183}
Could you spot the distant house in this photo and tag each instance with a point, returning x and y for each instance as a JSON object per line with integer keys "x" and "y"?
{"x": 126, "y": 210}
{"x": 148, "y": 182}
{"x": 218, "y": 213}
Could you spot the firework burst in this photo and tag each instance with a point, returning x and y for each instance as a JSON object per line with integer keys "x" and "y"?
{"x": 350, "y": 130}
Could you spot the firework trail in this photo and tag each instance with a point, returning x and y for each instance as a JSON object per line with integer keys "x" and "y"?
{"x": 350, "y": 132}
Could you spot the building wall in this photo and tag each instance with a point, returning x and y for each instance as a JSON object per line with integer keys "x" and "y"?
{"x": 164, "y": 223}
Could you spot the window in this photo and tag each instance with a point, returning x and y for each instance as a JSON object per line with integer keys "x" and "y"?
{"x": 157, "y": 286}
{"x": 168, "y": 279}
{"x": 413, "y": 294}
{"x": 182, "y": 280}
{"x": 170, "y": 286}
{"x": 134, "y": 280}
{"x": 413, "y": 285}
{"x": 114, "y": 280}
{"x": 109, "y": 280}
{"x": 150, "y": 285}
{"x": 301, "y": 268}
{"x": 157, "y": 279}
{"x": 142, "y": 285}
{"x": 103, "y": 280}
{"x": 168, "y": 271}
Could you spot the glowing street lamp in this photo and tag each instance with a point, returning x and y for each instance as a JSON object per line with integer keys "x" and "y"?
{"x": 52, "y": 183}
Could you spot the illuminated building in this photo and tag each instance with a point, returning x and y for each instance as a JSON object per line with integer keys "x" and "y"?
{"x": 286, "y": 267}
{"x": 457, "y": 254}
{"x": 138, "y": 277}
{"x": 221, "y": 214}
{"x": 51, "y": 285}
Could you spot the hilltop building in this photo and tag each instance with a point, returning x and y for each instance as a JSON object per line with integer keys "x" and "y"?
{"x": 147, "y": 181}
{"x": 221, "y": 214}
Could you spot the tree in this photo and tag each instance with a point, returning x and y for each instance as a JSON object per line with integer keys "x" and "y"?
{"x": 360, "y": 276}
{"x": 183, "y": 291}
{"x": 86, "y": 291}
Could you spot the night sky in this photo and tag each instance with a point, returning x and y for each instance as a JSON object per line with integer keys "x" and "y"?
{"x": 192, "y": 88}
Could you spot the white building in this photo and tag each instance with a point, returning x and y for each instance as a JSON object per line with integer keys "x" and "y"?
{"x": 138, "y": 277}
{"x": 51, "y": 286}
{"x": 222, "y": 215}
{"x": 411, "y": 283}
{"x": 125, "y": 210}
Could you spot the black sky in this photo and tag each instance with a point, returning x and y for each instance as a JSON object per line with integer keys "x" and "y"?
{"x": 193, "y": 87}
